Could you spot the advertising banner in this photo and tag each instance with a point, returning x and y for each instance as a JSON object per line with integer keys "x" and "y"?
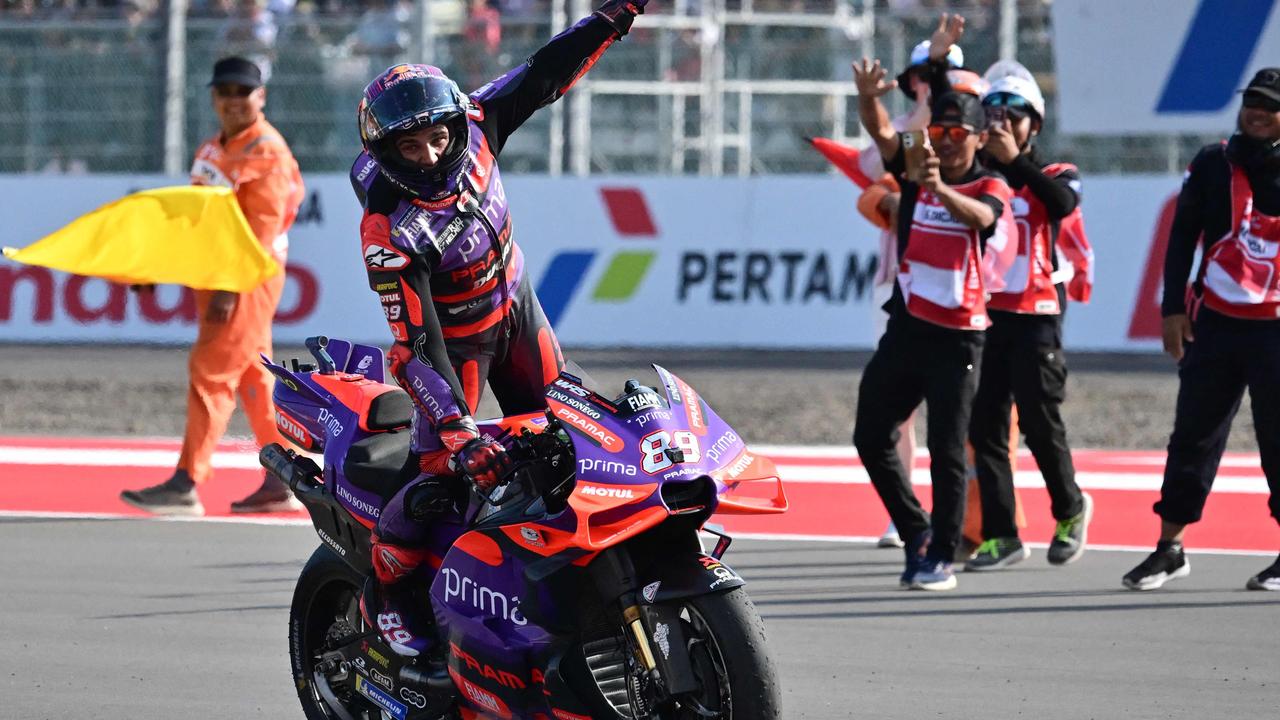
{"x": 1158, "y": 66}
{"x": 636, "y": 262}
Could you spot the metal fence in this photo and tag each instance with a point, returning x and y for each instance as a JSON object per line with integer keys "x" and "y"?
{"x": 699, "y": 87}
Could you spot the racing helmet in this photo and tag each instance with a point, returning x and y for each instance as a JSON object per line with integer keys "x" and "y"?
{"x": 405, "y": 97}
{"x": 1012, "y": 85}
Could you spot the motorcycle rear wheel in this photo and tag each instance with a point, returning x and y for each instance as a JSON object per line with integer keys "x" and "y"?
{"x": 326, "y": 604}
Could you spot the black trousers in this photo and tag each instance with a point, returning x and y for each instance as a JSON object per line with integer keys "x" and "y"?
{"x": 919, "y": 362}
{"x": 1227, "y": 356}
{"x": 1022, "y": 363}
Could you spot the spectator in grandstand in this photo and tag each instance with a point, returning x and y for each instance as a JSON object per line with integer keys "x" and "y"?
{"x": 951, "y": 221}
{"x": 250, "y": 31}
{"x": 438, "y": 249}
{"x": 1224, "y": 330}
{"x": 250, "y": 156}
{"x": 1022, "y": 361}
{"x": 383, "y": 31}
{"x": 483, "y": 36}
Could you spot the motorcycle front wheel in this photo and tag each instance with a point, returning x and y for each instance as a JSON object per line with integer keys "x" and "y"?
{"x": 726, "y": 643}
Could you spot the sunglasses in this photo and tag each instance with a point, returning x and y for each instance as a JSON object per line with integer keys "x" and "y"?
{"x": 1254, "y": 101}
{"x": 232, "y": 91}
{"x": 956, "y": 133}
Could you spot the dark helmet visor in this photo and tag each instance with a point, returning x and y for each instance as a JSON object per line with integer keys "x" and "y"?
{"x": 410, "y": 102}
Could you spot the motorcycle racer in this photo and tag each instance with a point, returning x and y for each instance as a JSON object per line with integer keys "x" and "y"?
{"x": 437, "y": 242}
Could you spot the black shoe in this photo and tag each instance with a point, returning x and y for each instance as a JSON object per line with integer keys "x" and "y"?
{"x": 1070, "y": 536}
{"x": 998, "y": 553}
{"x": 1268, "y": 579}
{"x": 1166, "y": 563}
{"x": 273, "y": 496}
{"x": 914, "y": 549}
{"x": 167, "y": 498}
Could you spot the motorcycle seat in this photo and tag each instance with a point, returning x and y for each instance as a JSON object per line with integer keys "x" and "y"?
{"x": 389, "y": 411}
{"x": 380, "y": 463}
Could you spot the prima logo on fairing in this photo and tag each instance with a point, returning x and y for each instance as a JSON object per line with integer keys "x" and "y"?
{"x": 329, "y": 422}
{"x": 365, "y": 363}
{"x": 469, "y": 592}
{"x": 620, "y": 493}
{"x": 651, "y": 416}
{"x": 722, "y": 445}
{"x": 607, "y": 467}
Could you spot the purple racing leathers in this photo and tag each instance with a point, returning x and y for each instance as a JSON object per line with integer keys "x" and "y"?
{"x": 452, "y": 284}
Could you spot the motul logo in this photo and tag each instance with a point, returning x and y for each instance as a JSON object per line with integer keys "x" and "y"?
{"x": 292, "y": 430}
{"x": 607, "y": 492}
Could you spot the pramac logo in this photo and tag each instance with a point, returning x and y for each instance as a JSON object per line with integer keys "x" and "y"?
{"x": 586, "y": 425}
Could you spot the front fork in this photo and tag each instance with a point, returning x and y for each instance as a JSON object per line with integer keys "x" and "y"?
{"x": 656, "y": 631}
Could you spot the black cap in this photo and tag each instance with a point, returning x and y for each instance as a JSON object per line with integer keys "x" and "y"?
{"x": 959, "y": 107}
{"x": 1265, "y": 82}
{"x": 236, "y": 71}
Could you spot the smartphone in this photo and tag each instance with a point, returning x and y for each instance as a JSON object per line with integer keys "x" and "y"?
{"x": 914, "y": 150}
{"x": 996, "y": 116}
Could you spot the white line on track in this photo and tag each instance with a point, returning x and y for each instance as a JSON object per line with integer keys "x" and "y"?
{"x": 779, "y": 537}
{"x": 843, "y": 473}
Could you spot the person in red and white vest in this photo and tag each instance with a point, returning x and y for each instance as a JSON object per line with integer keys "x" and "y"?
{"x": 1224, "y": 330}
{"x": 955, "y": 243}
{"x": 1022, "y": 361}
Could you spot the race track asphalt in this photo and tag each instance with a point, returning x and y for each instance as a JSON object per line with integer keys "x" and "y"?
{"x": 138, "y": 619}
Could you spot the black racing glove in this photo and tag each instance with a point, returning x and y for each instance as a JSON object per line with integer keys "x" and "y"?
{"x": 485, "y": 462}
{"x": 621, "y": 13}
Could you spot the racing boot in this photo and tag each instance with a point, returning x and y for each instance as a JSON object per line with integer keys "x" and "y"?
{"x": 406, "y": 623}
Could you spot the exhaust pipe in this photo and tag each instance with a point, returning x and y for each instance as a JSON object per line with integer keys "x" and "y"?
{"x": 301, "y": 474}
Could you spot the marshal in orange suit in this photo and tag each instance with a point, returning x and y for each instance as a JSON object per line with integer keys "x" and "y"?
{"x": 252, "y": 158}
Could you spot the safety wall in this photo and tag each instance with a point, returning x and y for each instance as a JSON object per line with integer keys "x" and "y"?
{"x": 756, "y": 263}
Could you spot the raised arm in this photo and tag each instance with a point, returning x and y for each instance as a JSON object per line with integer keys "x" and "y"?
{"x": 870, "y": 79}
{"x": 507, "y": 102}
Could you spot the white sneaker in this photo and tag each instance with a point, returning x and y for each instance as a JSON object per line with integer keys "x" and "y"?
{"x": 890, "y": 538}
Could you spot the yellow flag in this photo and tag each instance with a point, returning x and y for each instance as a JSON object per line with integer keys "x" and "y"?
{"x": 187, "y": 235}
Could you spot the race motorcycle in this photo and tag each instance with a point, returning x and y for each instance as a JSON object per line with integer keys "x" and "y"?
{"x": 579, "y": 588}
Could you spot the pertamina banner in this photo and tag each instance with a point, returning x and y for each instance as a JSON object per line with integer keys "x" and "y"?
{"x": 638, "y": 262}
{"x": 1158, "y": 66}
